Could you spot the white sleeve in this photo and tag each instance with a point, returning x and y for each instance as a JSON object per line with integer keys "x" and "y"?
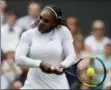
{"x": 68, "y": 48}
{"x": 21, "y": 58}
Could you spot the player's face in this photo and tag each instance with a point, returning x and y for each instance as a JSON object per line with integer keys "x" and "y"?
{"x": 46, "y": 20}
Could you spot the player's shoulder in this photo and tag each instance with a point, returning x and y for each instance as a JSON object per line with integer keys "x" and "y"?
{"x": 65, "y": 33}
{"x": 64, "y": 30}
{"x": 29, "y": 33}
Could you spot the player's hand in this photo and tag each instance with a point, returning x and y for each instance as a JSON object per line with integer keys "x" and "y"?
{"x": 47, "y": 68}
{"x": 59, "y": 69}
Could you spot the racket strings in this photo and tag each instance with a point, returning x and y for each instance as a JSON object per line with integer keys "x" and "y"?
{"x": 98, "y": 71}
{"x": 90, "y": 71}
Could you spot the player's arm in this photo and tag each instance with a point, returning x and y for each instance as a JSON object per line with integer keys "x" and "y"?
{"x": 22, "y": 50}
{"x": 68, "y": 48}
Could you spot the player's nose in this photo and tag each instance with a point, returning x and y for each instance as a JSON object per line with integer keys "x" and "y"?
{"x": 41, "y": 22}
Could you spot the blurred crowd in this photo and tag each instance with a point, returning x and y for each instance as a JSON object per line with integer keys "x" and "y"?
{"x": 13, "y": 77}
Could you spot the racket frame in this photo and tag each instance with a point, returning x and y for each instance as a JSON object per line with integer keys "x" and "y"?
{"x": 105, "y": 71}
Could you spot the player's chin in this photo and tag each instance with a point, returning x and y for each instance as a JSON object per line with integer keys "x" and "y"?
{"x": 42, "y": 30}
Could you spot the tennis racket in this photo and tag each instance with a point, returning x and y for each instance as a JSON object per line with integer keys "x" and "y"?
{"x": 90, "y": 71}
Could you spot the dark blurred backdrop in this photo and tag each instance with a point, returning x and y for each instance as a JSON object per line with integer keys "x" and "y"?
{"x": 85, "y": 10}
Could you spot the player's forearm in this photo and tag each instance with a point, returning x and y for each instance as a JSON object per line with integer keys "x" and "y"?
{"x": 27, "y": 62}
{"x": 69, "y": 61}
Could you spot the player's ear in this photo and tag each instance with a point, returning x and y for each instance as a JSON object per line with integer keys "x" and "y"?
{"x": 54, "y": 24}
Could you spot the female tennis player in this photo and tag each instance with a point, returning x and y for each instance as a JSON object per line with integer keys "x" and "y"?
{"x": 43, "y": 48}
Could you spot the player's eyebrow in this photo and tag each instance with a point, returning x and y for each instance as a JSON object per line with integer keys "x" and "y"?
{"x": 46, "y": 19}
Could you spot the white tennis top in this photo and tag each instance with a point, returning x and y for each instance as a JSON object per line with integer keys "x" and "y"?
{"x": 51, "y": 47}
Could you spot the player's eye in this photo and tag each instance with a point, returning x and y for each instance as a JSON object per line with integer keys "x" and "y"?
{"x": 46, "y": 20}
